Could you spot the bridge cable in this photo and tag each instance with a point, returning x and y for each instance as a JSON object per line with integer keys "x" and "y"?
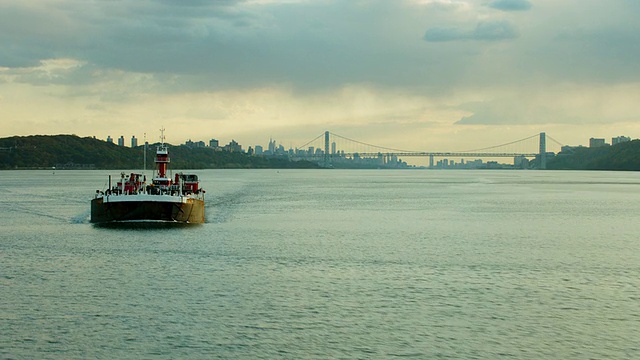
{"x": 496, "y": 146}
{"x": 309, "y": 142}
{"x": 556, "y": 141}
{"x": 411, "y": 151}
{"x": 373, "y": 146}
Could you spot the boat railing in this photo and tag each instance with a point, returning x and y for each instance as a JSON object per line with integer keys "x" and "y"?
{"x": 150, "y": 190}
{"x": 184, "y": 186}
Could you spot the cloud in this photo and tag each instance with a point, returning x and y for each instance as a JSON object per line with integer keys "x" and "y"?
{"x": 495, "y": 31}
{"x": 503, "y": 112}
{"x": 310, "y": 45}
{"x": 510, "y": 5}
{"x": 446, "y": 5}
{"x": 568, "y": 104}
{"x": 484, "y": 31}
{"x": 97, "y": 60}
{"x": 446, "y": 34}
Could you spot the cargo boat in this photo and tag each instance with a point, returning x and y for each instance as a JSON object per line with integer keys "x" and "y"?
{"x": 179, "y": 199}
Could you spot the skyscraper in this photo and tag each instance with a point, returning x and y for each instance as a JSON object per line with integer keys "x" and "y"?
{"x": 619, "y": 139}
{"x": 272, "y": 146}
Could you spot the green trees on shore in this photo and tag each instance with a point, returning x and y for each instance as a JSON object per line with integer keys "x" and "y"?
{"x": 623, "y": 156}
{"x": 70, "y": 151}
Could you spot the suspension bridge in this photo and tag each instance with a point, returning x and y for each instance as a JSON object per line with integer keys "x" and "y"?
{"x": 329, "y": 148}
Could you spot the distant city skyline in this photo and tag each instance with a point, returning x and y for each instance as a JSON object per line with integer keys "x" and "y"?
{"x": 427, "y": 74}
{"x": 273, "y": 144}
{"x": 468, "y": 161}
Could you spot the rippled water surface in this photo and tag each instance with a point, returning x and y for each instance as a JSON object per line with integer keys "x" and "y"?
{"x": 328, "y": 264}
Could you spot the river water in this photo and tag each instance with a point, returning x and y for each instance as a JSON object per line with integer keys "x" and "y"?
{"x": 351, "y": 264}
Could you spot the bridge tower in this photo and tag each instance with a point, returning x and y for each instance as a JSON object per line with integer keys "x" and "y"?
{"x": 543, "y": 151}
{"x": 327, "y": 156}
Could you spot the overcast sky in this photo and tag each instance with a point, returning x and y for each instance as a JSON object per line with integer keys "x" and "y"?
{"x": 432, "y": 75}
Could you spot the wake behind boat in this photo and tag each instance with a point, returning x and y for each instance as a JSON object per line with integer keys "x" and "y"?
{"x": 178, "y": 200}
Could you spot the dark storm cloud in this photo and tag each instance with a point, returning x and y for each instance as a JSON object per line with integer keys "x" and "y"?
{"x": 309, "y": 45}
{"x": 511, "y": 5}
{"x": 111, "y": 30}
{"x": 29, "y": 35}
{"x": 208, "y": 38}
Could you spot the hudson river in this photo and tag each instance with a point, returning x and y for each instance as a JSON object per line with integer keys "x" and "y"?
{"x": 324, "y": 264}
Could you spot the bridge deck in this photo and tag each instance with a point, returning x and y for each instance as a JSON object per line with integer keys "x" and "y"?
{"x": 438, "y": 154}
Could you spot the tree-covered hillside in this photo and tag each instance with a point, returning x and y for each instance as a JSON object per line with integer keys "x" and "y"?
{"x": 40, "y": 151}
{"x": 623, "y": 156}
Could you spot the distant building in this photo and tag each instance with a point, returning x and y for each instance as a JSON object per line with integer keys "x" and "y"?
{"x": 109, "y": 139}
{"x": 619, "y": 139}
{"x": 272, "y": 146}
{"x": 134, "y": 141}
{"x": 233, "y": 146}
{"x": 594, "y": 143}
{"x": 121, "y": 141}
{"x": 259, "y": 150}
{"x": 520, "y": 162}
{"x": 214, "y": 143}
{"x": 477, "y": 163}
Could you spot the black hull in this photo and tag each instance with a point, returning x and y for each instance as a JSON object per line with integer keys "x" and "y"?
{"x": 191, "y": 211}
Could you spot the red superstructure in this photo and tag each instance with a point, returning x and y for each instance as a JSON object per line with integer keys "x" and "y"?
{"x": 162, "y": 159}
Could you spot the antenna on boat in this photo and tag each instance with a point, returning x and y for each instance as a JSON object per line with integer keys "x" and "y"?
{"x": 145, "y": 153}
{"x": 162, "y": 137}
